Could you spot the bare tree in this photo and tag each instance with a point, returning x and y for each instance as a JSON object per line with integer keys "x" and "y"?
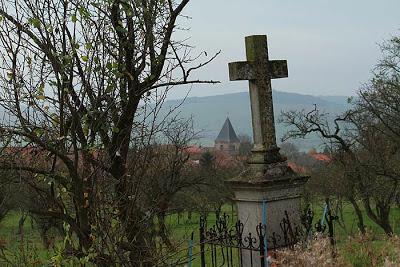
{"x": 303, "y": 123}
{"x": 76, "y": 78}
{"x": 245, "y": 145}
{"x": 366, "y": 138}
{"x": 366, "y": 156}
{"x": 381, "y": 95}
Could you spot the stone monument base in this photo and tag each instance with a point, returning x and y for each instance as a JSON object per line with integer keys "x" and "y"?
{"x": 280, "y": 191}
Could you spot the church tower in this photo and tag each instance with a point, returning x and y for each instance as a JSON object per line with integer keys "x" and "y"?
{"x": 227, "y": 141}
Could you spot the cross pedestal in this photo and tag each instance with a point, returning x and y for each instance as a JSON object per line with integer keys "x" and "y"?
{"x": 282, "y": 209}
{"x": 268, "y": 179}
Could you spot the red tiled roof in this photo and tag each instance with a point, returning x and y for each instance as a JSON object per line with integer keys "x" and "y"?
{"x": 223, "y": 159}
{"x": 193, "y": 150}
{"x": 321, "y": 157}
{"x": 296, "y": 167}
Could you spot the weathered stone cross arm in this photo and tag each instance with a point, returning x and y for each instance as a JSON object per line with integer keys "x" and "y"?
{"x": 245, "y": 70}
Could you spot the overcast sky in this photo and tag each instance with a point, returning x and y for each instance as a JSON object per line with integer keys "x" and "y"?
{"x": 330, "y": 45}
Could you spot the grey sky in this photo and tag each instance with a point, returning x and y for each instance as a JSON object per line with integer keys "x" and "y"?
{"x": 330, "y": 45}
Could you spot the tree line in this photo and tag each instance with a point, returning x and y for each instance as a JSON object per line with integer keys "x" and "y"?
{"x": 364, "y": 143}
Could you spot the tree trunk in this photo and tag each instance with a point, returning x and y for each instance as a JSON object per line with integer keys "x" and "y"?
{"x": 387, "y": 227}
{"x": 384, "y": 216}
{"x": 21, "y": 223}
{"x": 382, "y": 219}
{"x": 83, "y": 205}
{"x": 361, "y": 225}
{"x": 339, "y": 212}
{"x": 163, "y": 229}
{"x": 139, "y": 230}
{"x": 141, "y": 239}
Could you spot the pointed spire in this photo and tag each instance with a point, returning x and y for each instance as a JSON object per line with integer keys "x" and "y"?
{"x": 227, "y": 133}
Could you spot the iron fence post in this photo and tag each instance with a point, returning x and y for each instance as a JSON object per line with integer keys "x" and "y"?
{"x": 202, "y": 241}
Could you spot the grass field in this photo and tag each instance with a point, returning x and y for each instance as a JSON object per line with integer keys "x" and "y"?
{"x": 31, "y": 248}
{"x": 22, "y": 248}
{"x": 355, "y": 253}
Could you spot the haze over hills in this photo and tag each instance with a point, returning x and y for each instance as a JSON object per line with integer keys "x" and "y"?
{"x": 210, "y": 112}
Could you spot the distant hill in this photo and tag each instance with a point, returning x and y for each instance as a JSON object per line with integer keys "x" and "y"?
{"x": 210, "y": 112}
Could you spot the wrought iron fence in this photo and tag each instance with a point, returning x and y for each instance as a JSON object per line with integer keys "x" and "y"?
{"x": 227, "y": 245}
{"x": 224, "y": 244}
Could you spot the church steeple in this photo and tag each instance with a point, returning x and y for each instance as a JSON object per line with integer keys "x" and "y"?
{"x": 227, "y": 139}
{"x": 227, "y": 133}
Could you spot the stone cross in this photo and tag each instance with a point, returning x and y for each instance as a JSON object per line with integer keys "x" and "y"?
{"x": 259, "y": 70}
{"x": 269, "y": 189}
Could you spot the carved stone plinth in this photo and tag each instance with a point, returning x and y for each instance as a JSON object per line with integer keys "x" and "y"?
{"x": 281, "y": 195}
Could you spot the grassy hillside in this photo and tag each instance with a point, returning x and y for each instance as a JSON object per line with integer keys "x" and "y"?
{"x": 210, "y": 112}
